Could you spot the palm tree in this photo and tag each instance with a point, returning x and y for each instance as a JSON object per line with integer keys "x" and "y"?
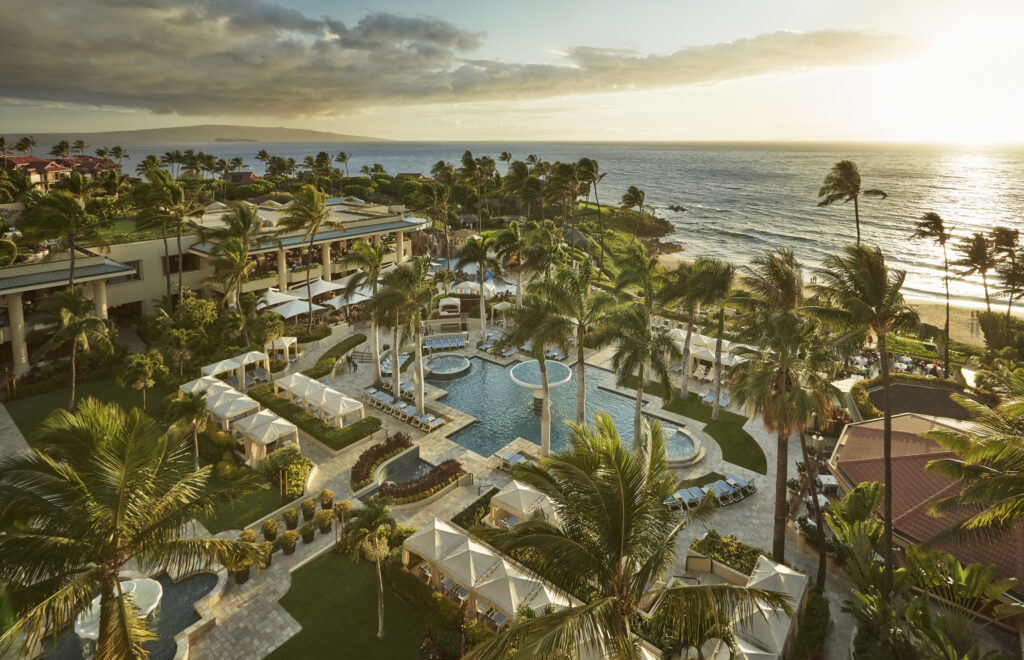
{"x": 26, "y": 145}
{"x": 5, "y": 148}
{"x": 189, "y": 409}
{"x": 506, "y": 157}
{"x": 71, "y": 314}
{"x": 102, "y": 152}
{"x": 637, "y": 347}
{"x": 717, "y": 283}
{"x": 842, "y": 184}
{"x": 342, "y": 158}
{"x": 80, "y": 146}
{"x": 931, "y": 226}
{"x": 241, "y": 222}
{"x": 860, "y": 293}
{"x": 612, "y": 537}
{"x": 77, "y": 185}
{"x": 231, "y": 267}
{"x": 167, "y": 203}
{"x": 308, "y": 213}
{"x": 140, "y": 371}
{"x": 1005, "y": 242}
{"x": 541, "y": 324}
{"x": 119, "y": 153}
{"x": 147, "y": 164}
{"x": 59, "y": 216}
{"x": 571, "y": 292}
{"x": 368, "y": 530}
{"x": 637, "y": 270}
{"x": 444, "y": 278}
{"x": 978, "y": 257}
{"x": 783, "y": 381}
{"x": 477, "y": 251}
{"x": 110, "y": 488}
{"x": 634, "y": 197}
{"x": 511, "y": 245}
{"x": 368, "y": 260}
{"x": 384, "y": 313}
{"x": 61, "y": 149}
{"x": 589, "y": 171}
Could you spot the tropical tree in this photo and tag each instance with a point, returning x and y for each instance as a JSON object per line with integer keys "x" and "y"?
{"x": 60, "y": 217}
{"x": 80, "y": 146}
{"x": 641, "y": 272}
{"x": 859, "y": 293}
{"x": 5, "y": 148}
{"x": 189, "y": 409}
{"x": 511, "y": 245}
{"x": 119, "y": 153}
{"x": 61, "y": 149}
{"x": 368, "y": 261}
{"x": 612, "y": 537}
{"x": 444, "y": 278}
{"x": 1005, "y": 243}
{"x": 477, "y": 251}
{"x": 367, "y": 533}
{"x": 718, "y": 277}
{"x": 308, "y": 213}
{"x": 842, "y": 184}
{"x": 931, "y": 226}
{"x": 140, "y": 371}
{"x": 106, "y": 488}
{"x": 26, "y": 145}
{"x": 147, "y": 164}
{"x": 634, "y": 197}
{"x": 785, "y": 380}
{"x": 638, "y": 346}
{"x": 231, "y": 267}
{"x": 590, "y": 173}
{"x": 506, "y": 158}
{"x": 572, "y": 293}
{"x": 342, "y": 158}
{"x": 978, "y": 256}
{"x": 539, "y": 323}
{"x": 165, "y": 203}
{"x": 241, "y": 222}
{"x": 70, "y": 314}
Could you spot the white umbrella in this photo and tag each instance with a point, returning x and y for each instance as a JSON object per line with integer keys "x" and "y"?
{"x": 318, "y": 287}
{"x": 294, "y": 308}
{"x": 220, "y": 367}
{"x": 274, "y": 297}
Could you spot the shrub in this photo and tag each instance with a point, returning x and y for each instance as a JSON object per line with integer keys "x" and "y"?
{"x": 269, "y": 529}
{"x": 291, "y": 518}
{"x": 341, "y": 508}
{"x": 473, "y": 515}
{"x": 247, "y": 536}
{"x": 291, "y": 464}
{"x": 793, "y": 484}
{"x": 308, "y": 532}
{"x": 868, "y": 409}
{"x": 325, "y": 365}
{"x": 373, "y": 456}
{"x": 729, "y": 550}
{"x": 324, "y": 520}
{"x": 433, "y": 605}
{"x": 288, "y": 541}
{"x": 423, "y": 486}
{"x": 398, "y": 535}
{"x": 331, "y": 436}
{"x": 810, "y": 637}
{"x": 308, "y": 509}
{"x": 268, "y": 553}
{"x": 326, "y": 498}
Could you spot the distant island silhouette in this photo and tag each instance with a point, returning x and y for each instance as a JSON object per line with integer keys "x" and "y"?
{"x": 236, "y": 139}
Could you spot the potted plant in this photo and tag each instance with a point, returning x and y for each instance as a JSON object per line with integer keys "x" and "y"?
{"x": 308, "y": 509}
{"x": 268, "y": 553}
{"x": 308, "y": 532}
{"x": 288, "y": 541}
{"x": 326, "y": 498}
{"x": 238, "y": 568}
{"x": 269, "y": 529}
{"x": 324, "y": 520}
{"x": 291, "y": 518}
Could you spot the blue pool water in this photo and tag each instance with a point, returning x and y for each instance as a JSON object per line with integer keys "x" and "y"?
{"x": 505, "y": 410}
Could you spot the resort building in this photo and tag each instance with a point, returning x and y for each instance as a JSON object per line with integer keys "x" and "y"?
{"x": 43, "y": 173}
{"x": 126, "y": 279}
{"x": 239, "y": 178}
{"x": 857, "y": 458}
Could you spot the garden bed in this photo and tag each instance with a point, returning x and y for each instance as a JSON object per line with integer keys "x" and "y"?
{"x": 366, "y": 465}
{"x": 332, "y": 436}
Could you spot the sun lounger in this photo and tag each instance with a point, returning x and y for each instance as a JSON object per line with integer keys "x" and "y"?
{"x": 677, "y": 499}
{"x": 722, "y": 492}
{"x": 462, "y": 342}
{"x": 486, "y": 346}
{"x": 434, "y": 423}
{"x": 510, "y": 458}
{"x": 426, "y": 570}
{"x": 498, "y": 619}
{"x": 724, "y": 401}
{"x": 260, "y": 374}
{"x": 694, "y": 497}
{"x": 709, "y": 397}
{"x": 509, "y": 353}
{"x": 447, "y": 584}
{"x": 528, "y": 346}
{"x": 368, "y": 392}
{"x": 551, "y": 353}
{"x": 558, "y": 357}
{"x": 744, "y": 485}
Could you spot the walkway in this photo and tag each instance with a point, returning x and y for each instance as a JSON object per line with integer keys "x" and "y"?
{"x": 11, "y": 439}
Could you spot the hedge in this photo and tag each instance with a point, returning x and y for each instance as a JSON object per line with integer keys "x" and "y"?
{"x": 331, "y": 436}
{"x": 473, "y": 515}
{"x": 729, "y": 550}
{"x": 296, "y": 467}
{"x": 325, "y": 365}
{"x": 368, "y": 462}
{"x": 867, "y": 410}
{"x": 813, "y": 629}
{"x": 423, "y": 486}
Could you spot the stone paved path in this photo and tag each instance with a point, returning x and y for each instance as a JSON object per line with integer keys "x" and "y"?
{"x": 11, "y": 439}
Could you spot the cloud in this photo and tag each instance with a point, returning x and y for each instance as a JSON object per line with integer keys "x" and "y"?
{"x": 258, "y": 58}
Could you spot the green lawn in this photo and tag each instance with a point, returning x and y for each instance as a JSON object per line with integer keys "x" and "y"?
{"x": 238, "y": 513}
{"x": 702, "y": 480}
{"x": 335, "y": 601}
{"x": 28, "y": 414}
{"x": 738, "y": 446}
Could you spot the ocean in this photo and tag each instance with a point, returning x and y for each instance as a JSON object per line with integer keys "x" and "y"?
{"x": 743, "y": 199}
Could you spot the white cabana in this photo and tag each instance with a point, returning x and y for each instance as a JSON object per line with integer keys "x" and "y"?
{"x": 517, "y": 501}
{"x": 264, "y": 433}
{"x": 274, "y": 297}
{"x": 283, "y": 344}
{"x": 220, "y": 367}
{"x": 470, "y": 287}
{"x": 702, "y": 340}
{"x": 468, "y": 562}
{"x": 501, "y": 308}
{"x": 432, "y": 541}
{"x": 295, "y": 308}
{"x": 228, "y": 406}
{"x": 318, "y": 287}
{"x": 750, "y": 651}
{"x": 677, "y": 334}
{"x": 298, "y": 385}
{"x": 450, "y": 307}
{"x": 507, "y": 588}
{"x": 340, "y": 409}
{"x": 770, "y": 630}
{"x": 547, "y": 595}
{"x": 207, "y": 384}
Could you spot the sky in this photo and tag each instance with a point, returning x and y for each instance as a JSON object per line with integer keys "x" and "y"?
{"x": 648, "y": 70}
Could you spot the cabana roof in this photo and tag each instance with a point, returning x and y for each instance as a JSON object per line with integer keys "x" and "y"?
{"x": 771, "y": 576}
{"x": 507, "y": 588}
{"x": 252, "y": 357}
{"x": 274, "y": 297}
{"x": 318, "y": 287}
{"x": 276, "y": 429}
{"x": 337, "y": 404}
{"x": 433, "y": 540}
{"x": 231, "y": 404}
{"x": 519, "y": 498}
{"x": 221, "y": 367}
{"x": 294, "y": 308}
{"x": 252, "y": 421}
{"x": 207, "y": 384}
{"x": 281, "y": 343}
{"x": 469, "y": 561}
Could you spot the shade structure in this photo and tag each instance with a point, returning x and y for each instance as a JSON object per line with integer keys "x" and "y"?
{"x": 278, "y": 429}
{"x": 468, "y": 562}
{"x": 317, "y": 287}
{"x": 503, "y": 306}
{"x": 701, "y": 340}
{"x": 336, "y": 404}
{"x": 298, "y": 385}
{"x": 772, "y": 576}
{"x": 433, "y": 540}
{"x": 353, "y": 298}
{"x": 677, "y": 334}
{"x": 252, "y": 357}
{"x": 770, "y": 629}
{"x": 520, "y": 499}
{"x": 252, "y": 421}
{"x": 295, "y": 308}
{"x": 449, "y": 306}
{"x": 280, "y": 344}
{"x": 702, "y": 353}
{"x": 507, "y": 587}
{"x": 228, "y": 405}
{"x": 274, "y": 297}
{"x": 547, "y": 595}
{"x": 471, "y": 287}
{"x": 747, "y": 650}
{"x": 207, "y": 384}
{"x": 220, "y": 367}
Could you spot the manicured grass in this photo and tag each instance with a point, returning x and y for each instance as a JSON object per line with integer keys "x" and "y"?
{"x": 702, "y": 480}
{"x": 28, "y": 414}
{"x": 238, "y": 513}
{"x": 335, "y": 601}
{"x": 738, "y": 447}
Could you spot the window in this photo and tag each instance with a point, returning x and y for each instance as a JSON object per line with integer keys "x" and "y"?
{"x": 124, "y": 279}
{"x": 190, "y": 262}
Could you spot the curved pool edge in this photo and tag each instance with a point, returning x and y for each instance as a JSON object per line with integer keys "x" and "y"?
{"x": 204, "y": 607}
{"x": 690, "y": 458}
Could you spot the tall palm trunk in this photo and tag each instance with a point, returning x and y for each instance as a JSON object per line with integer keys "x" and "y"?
{"x": 716, "y": 404}
{"x": 856, "y": 216}
{"x": 396, "y": 373}
{"x": 984, "y": 282}
{"x": 181, "y": 262}
{"x": 519, "y": 283}
{"x": 600, "y": 226}
{"x": 638, "y": 409}
{"x": 684, "y": 386}
{"x": 380, "y": 602}
{"x": 418, "y": 338}
{"x": 309, "y": 285}
{"x": 945, "y": 330}
{"x": 779, "y": 526}
{"x": 483, "y": 304}
{"x": 375, "y": 347}
{"x": 812, "y": 476}
{"x": 71, "y": 270}
{"x": 167, "y": 264}
{"x": 195, "y": 445}
{"x": 581, "y": 378}
{"x": 74, "y": 372}
{"x": 545, "y": 410}
{"x": 883, "y": 358}
{"x": 1013, "y": 269}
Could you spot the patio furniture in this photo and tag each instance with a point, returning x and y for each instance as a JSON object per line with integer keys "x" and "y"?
{"x": 447, "y": 584}
{"x": 509, "y": 353}
{"x": 498, "y": 619}
{"x": 722, "y": 492}
{"x": 696, "y": 496}
{"x": 426, "y": 570}
{"x": 743, "y": 484}
{"x": 433, "y": 424}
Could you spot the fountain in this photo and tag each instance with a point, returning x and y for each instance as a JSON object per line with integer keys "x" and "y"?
{"x": 527, "y": 374}
{"x": 448, "y": 366}
{"x": 146, "y": 595}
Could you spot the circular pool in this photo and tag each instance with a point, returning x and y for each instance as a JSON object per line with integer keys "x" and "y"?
{"x": 448, "y": 366}
{"x": 682, "y": 448}
{"x": 527, "y": 374}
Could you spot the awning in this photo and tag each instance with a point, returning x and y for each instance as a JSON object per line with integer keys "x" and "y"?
{"x": 207, "y": 384}
{"x": 221, "y": 367}
{"x": 519, "y": 498}
{"x": 274, "y": 297}
{"x": 294, "y": 308}
{"x": 318, "y": 287}
{"x": 433, "y": 540}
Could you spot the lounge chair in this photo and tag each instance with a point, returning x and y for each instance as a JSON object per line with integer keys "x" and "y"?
{"x": 426, "y": 570}
{"x": 709, "y": 397}
{"x": 260, "y": 374}
{"x": 447, "y": 584}
{"x": 744, "y": 485}
{"x": 498, "y": 619}
{"x": 486, "y": 346}
{"x": 551, "y": 353}
{"x": 724, "y": 400}
{"x": 428, "y": 344}
{"x": 677, "y": 499}
{"x": 368, "y": 392}
{"x": 694, "y": 497}
{"x": 462, "y": 342}
{"x": 434, "y": 423}
{"x": 558, "y": 357}
{"x": 509, "y": 353}
{"x": 528, "y": 346}
{"x": 722, "y": 492}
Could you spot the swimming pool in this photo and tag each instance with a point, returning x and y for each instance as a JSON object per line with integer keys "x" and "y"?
{"x": 504, "y": 410}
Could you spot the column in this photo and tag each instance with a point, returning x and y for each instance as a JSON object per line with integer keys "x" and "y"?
{"x": 325, "y": 251}
{"x": 99, "y": 298}
{"x": 400, "y": 247}
{"x": 282, "y": 270}
{"x": 19, "y": 349}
